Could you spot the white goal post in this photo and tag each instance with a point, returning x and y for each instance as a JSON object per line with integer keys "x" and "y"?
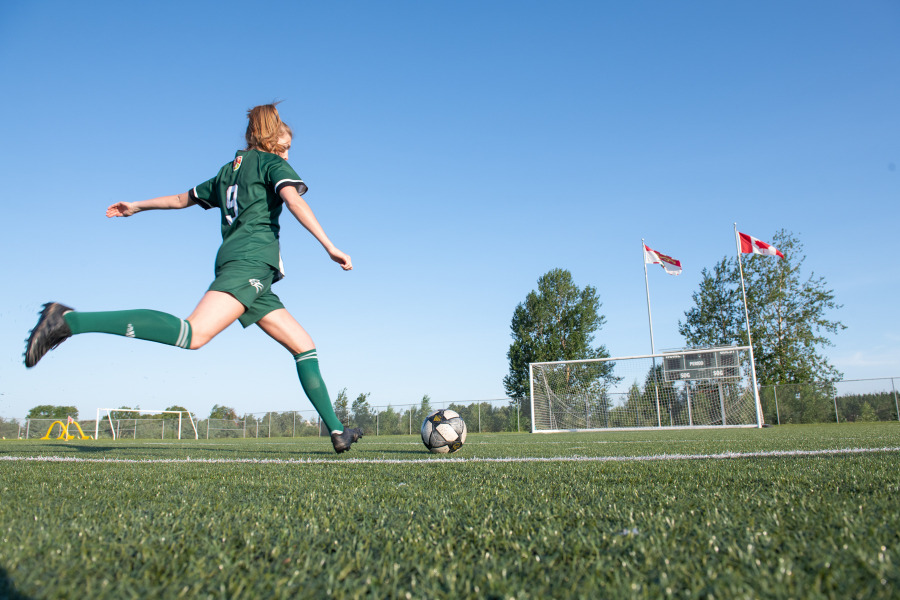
{"x": 112, "y": 427}
{"x": 690, "y": 388}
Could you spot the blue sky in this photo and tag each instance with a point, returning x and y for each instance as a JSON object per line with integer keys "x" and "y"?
{"x": 457, "y": 151}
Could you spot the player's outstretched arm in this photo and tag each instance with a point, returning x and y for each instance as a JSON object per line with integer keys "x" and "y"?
{"x": 304, "y": 214}
{"x": 126, "y": 209}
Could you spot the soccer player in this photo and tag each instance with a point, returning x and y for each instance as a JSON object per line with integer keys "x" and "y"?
{"x": 250, "y": 192}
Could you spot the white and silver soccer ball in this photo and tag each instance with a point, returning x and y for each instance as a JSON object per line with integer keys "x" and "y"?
{"x": 444, "y": 431}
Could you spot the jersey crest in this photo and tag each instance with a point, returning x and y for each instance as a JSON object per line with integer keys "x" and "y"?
{"x": 237, "y": 163}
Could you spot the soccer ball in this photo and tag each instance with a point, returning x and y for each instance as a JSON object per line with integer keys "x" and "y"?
{"x": 444, "y": 431}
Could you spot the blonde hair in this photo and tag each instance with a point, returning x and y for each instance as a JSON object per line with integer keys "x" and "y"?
{"x": 264, "y": 129}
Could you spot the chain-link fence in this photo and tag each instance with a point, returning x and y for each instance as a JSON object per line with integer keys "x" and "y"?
{"x": 11, "y": 429}
{"x": 824, "y": 402}
{"x": 266, "y": 425}
{"x": 831, "y": 401}
{"x": 153, "y": 427}
{"x": 482, "y": 416}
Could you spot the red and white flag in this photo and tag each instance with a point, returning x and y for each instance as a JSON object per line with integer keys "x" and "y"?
{"x": 70, "y": 421}
{"x": 652, "y": 257}
{"x": 751, "y": 245}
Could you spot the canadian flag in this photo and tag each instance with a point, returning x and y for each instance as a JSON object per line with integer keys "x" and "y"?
{"x": 652, "y": 257}
{"x": 751, "y": 245}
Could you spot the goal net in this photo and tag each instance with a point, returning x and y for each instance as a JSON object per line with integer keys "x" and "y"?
{"x": 709, "y": 387}
{"x": 135, "y": 422}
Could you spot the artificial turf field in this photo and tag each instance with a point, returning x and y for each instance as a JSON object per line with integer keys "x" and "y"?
{"x": 809, "y": 511}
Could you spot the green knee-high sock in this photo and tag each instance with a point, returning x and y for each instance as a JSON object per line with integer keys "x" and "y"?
{"x": 314, "y": 386}
{"x": 141, "y": 324}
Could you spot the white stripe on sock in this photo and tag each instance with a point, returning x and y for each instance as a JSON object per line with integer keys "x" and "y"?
{"x": 181, "y": 342}
{"x": 306, "y": 357}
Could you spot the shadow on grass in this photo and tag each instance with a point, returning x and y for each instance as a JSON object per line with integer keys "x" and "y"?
{"x": 87, "y": 448}
{"x": 418, "y": 451}
{"x": 8, "y": 590}
{"x": 301, "y": 448}
{"x": 282, "y": 451}
{"x": 212, "y": 451}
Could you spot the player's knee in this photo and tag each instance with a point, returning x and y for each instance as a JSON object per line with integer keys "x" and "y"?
{"x": 199, "y": 339}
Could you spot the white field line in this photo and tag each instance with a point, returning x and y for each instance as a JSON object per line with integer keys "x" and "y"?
{"x": 573, "y": 443}
{"x": 469, "y": 443}
{"x": 442, "y": 460}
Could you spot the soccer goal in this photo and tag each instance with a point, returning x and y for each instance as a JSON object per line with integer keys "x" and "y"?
{"x": 710, "y": 387}
{"x": 134, "y": 421}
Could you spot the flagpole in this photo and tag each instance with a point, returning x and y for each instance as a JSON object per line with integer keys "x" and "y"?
{"x": 759, "y": 417}
{"x": 652, "y": 345}
{"x": 647, "y": 286}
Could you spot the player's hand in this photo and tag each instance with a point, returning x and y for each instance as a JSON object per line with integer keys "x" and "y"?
{"x": 121, "y": 209}
{"x": 341, "y": 259}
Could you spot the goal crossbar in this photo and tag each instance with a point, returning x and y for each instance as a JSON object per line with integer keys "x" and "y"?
{"x": 657, "y": 355}
{"x": 140, "y": 411}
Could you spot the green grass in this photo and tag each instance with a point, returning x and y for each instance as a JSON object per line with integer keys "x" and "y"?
{"x": 767, "y": 526}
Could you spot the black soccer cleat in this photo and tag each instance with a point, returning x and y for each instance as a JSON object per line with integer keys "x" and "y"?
{"x": 51, "y": 331}
{"x": 341, "y": 441}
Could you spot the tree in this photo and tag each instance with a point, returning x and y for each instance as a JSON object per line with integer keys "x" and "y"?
{"x": 419, "y": 414}
{"x": 867, "y": 413}
{"x": 222, "y": 412}
{"x": 341, "y": 407}
{"x": 425, "y": 406}
{"x": 178, "y": 408}
{"x": 131, "y": 415}
{"x": 362, "y": 413}
{"x": 788, "y": 314}
{"x": 718, "y": 313}
{"x": 556, "y": 322}
{"x": 390, "y": 422}
{"x": 49, "y": 411}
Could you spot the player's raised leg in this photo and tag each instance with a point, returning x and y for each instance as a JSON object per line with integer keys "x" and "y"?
{"x": 283, "y": 328}
{"x": 57, "y": 323}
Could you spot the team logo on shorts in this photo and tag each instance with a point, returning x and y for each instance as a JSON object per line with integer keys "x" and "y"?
{"x": 237, "y": 163}
{"x": 257, "y": 284}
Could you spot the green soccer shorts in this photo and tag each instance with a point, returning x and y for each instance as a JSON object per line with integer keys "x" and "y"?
{"x": 251, "y": 283}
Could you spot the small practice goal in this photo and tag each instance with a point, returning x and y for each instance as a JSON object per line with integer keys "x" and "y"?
{"x": 132, "y": 423}
{"x": 711, "y": 387}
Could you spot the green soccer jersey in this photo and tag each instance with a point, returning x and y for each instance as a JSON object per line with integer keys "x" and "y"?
{"x": 246, "y": 193}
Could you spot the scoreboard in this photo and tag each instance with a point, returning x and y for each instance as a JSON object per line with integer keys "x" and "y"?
{"x": 710, "y": 364}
